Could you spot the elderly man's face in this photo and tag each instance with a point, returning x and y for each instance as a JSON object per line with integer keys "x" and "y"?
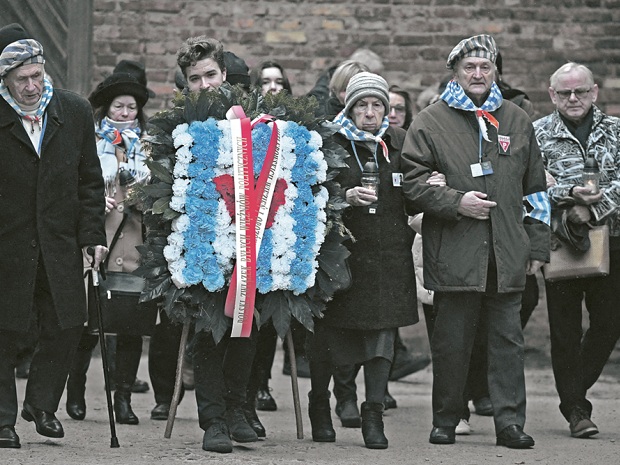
{"x": 25, "y": 83}
{"x": 367, "y": 114}
{"x": 573, "y": 95}
{"x": 205, "y": 74}
{"x": 475, "y": 75}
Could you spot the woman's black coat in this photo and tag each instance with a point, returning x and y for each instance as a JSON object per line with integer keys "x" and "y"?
{"x": 383, "y": 293}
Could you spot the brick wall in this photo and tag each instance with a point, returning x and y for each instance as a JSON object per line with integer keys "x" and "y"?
{"x": 413, "y": 37}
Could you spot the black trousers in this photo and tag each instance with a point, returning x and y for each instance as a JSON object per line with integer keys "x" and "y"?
{"x": 457, "y": 318}
{"x": 54, "y": 351}
{"x": 579, "y": 359}
{"x": 163, "y": 354}
{"x": 221, "y": 373}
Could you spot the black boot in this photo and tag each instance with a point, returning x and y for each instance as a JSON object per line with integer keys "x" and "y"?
{"x": 122, "y": 405}
{"x": 372, "y": 425}
{"x": 76, "y": 385}
{"x": 249, "y": 408}
{"x": 128, "y": 352}
{"x": 321, "y": 418}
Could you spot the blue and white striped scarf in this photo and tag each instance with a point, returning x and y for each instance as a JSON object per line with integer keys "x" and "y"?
{"x": 47, "y": 94}
{"x": 112, "y": 134}
{"x": 455, "y": 97}
{"x": 353, "y": 133}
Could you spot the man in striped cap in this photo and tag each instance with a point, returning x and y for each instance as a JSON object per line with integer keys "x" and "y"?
{"x": 51, "y": 212}
{"x": 479, "y": 241}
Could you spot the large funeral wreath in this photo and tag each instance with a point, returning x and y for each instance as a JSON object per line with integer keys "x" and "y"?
{"x": 189, "y": 253}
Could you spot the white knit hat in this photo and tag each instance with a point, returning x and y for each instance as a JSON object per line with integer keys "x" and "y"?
{"x": 366, "y": 84}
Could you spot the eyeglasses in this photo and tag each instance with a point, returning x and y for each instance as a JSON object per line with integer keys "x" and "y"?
{"x": 398, "y": 109}
{"x": 565, "y": 94}
{"x": 471, "y": 68}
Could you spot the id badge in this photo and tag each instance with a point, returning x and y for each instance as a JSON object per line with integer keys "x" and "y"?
{"x": 397, "y": 179}
{"x": 481, "y": 169}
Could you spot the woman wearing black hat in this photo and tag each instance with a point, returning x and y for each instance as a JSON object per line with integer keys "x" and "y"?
{"x": 118, "y": 104}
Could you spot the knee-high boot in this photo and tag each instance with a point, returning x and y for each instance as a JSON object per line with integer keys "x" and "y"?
{"x": 76, "y": 384}
{"x": 128, "y": 354}
{"x": 372, "y": 425}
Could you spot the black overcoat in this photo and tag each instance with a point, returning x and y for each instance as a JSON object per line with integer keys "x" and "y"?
{"x": 383, "y": 293}
{"x": 50, "y": 207}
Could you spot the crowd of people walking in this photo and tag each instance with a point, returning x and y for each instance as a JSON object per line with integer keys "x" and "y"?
{"x": 475, "y": 173}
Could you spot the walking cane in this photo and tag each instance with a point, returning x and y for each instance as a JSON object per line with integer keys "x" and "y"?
{"x": 104, "y": 350}
{"x": 294, "y": 384}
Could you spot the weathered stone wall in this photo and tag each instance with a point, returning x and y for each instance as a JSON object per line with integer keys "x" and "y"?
{"x": 413, "y": 37}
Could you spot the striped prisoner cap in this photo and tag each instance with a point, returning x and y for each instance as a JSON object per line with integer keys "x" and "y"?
{"x": 480, "y": 46}
{"x": 17, "y": 48}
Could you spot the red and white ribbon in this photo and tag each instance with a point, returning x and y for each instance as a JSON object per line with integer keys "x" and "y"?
{"x": 251, "y": 210}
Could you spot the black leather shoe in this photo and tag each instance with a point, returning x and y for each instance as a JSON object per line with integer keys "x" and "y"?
{"x": 442, "y": 435}
{"x": 160, "y": 412}
{"x": 240, "y": 430}
{"x": 254, "y": 421}
{"x": 47, "y": 424}
{"x": 76, "y": 410}
{"x": 217, "y": 439}
{"x": 513, "y": 437}
{"x": 265, "y": 401}
{"x": 9, "y": 438}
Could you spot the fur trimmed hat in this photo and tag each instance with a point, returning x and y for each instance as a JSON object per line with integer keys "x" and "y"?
{"x": 118, "y": 84}
{"x": 137, "y": 70}
{"x": 366, "y": 84}
{"x": 480, "y": 46}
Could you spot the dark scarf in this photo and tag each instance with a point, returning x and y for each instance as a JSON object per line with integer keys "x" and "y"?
{"x": 581, "y": 130}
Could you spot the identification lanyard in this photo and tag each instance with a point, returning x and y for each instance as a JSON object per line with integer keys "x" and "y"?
{"x": 357, "y": 158}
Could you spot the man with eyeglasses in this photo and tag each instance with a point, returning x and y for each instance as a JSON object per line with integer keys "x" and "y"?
{"x": 478, "y": 245}
{"x": 576, "y": 130}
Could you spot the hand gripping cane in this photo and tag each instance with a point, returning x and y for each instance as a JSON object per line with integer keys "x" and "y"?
{"x": 104, "y": 350}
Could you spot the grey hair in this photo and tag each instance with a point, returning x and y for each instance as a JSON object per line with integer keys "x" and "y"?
{"x": 567, "y": 68}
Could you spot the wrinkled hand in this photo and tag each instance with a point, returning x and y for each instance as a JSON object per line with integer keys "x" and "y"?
{"x": 100, "y": 252}
{"x": 359, "y": 196}
{"x": 474, "y": 205}
{"x": 437, "y": 179}
{"x": 533, "y": 266}
{"x": 578, "y": 214}
{"x": 110, "y": 204}
{"x": 584, "y": 196}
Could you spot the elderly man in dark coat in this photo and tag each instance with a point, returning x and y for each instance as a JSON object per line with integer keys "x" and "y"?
{"x": 479, "y": 244}
{"x": 51, "y": 212}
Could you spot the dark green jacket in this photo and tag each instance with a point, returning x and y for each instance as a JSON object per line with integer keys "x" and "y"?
{"x": 458, "y": 249}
